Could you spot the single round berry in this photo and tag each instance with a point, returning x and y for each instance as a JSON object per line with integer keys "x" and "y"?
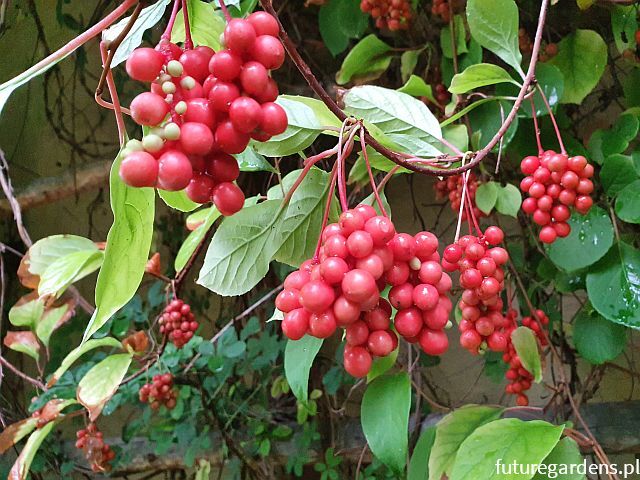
{"x": 148, "y": 109}
{"x": 222, "y": 167}
{"x": 274, "y": 119}
{"x": 228, "y": 198}
{"x": 226, "y": 65}
{"x": 230, "y": 139}
{"x": 245, "y": 114}
{"x": 200, "y": 188}
{"x": 296, "y": 323}
{"x": 268, "y": 51}
{"x": 264, "y": 23}
{"x": 359, "y": 286}
{"x": 144, "y": 64}
{"x": 196, "y": 138}
{"x": 357, "y": 361}
{"x": 139, "y": 169}
{"x": 239, "y": 35}
{"x": 174, "y": 171}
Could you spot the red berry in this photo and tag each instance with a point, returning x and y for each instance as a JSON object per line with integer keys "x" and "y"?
{"x": 380, "y": 343}
{"x": 222, "y": 167}
{"x": 144, "y": 64}
{"x": 547, "y": 234}
{"x": 345, "y": 311}
{"x": 268, "y": 51}
{"x": 245, "y": 114}
{"x": 139, "y": 169}
{"x": 357, "y": 361}
{"x": 230, "y": 139}
{"x": 322, "y": 325}
{"x": 174, "y": 170}
{"x": 196, "y": 138}
{"x": 228, "y": 198}
{"x": 359, "y": 286}
{"x": 196, "y": 64}
{"x": 254, "y": 78}
{"x": 239, "y": 35}
{"x": 408, "y": 322}
{"x": 316, "y": 296}
{"x": 274, "y": 119}
{"x": 296, "y": 323}
{"x": 148, "y": 109}
{"x": 222, "y": 94}
{"x": 357, "y": 333}
{"x": 433, "y": 342}
{"x": 199, "y": 111}
{"x": 226, "y": 65}
{"x": 264, "y": 23}
{"x": 200, "y": 188}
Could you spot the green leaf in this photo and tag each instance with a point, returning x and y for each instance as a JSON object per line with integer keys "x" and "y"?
{"x": 381, "y": 365}
{"x": 551, "y": 81}
{"x": 402, "y": 118}
{"x": 417, "y": 87}
{"x": 613, "y": 285}
{"x": 624, "y": 25}
{"x": 302, "y": 130}
{"x": 148, "y": 17}
{"x": 451, "y": 431}
{"x": 21, "y": 467}
{"x": 298, "y": 358}
{"x": 205, "y": 25}
{"x": 195, "y": 237}
{"x": 28, "y": 313}
{"x": 367, "y": 60}
{"x": 590, "y": 238}
{"x": 494, "y": 25}
{"x": 49, "y": 249}
{"x": 419, "y": 463}
{"x": 101, "y": 382}
{"x": 324, "y": 116}
{"x": 564, "y": 456}
{"x": 385, "y": 418}
{"x": 585, "y": 4}
{"x": 23, "y": 342}
{"x": 487, "y": 196}
{"x": 479, "y": 75}
{"x": 456, "y": 135}
{"x": 127, "y": 250}
{"x": 486, "y": 120}
{"x": 339, "y": 21}
{"x": 408, "y": 63}
{"x": 628, "y": 203}
{"x": 15, "y": 432}
{"x": 617, "y": 172}
{"x": 67, "y": 270}
{"x": 509, "y": 200}
{"x": 526, "y": 345}
{"x": 244, "y": 244}
{"x": 52, "y": 319}
{"x": 178, "y": 200}
{"x": 251, "y": 161}
{"x": 582, "y": 56}
{"x": 460, "y": 38}
{"x": 618, "y": 137}
{"x": 505, "y": 441}
{"x": 597, "y": 339}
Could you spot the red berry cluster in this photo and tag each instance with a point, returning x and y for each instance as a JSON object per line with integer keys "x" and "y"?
{"x": 159, "y": 392}
{"x": 444, "y": 8}
{"x": 178, "y": 322}
{"x": 359, "y": 257}
{"x": 205, "y": 106}
{"x": 482, "y": 278}
{"x": 97, "y": 453}
{"x": 519, "y": 378}
{"x": 554, "y": 183}
{"x": 550, "y": 50}
{"x": 393, "y": 15}
{"x": 452, "y": 187}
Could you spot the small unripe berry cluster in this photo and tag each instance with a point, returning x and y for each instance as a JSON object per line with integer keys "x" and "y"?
{"x": 444, "y": 8}
{"x": 97, "y": 453}
{"x": 359, "y": 257}
{"x": 393, "y": 15}
{"x": 555, "y": 182}
{"x": 205, "y": 106}
{"x": 178, "y": 322}
{"x": 159, "y": 392}
{"x": 442, "y": 95}
{"x": 524, "y": 42}
{"x": 452, "y": 187}
{"x": 550, "y": 50}
{"x": 482, "y": 278}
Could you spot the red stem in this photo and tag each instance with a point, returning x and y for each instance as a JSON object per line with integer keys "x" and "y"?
{"x": 536, "y": 127}
{"x": 553, "y": 120}
{"x": 172, "y": 20}
{"x": 225, "y": 11}
{"x": 309, "y": 162}
{"x": 113, "y": 93}
{"x": 327, "y": 209}
{"x": 188, "y": 41}
{"x": 472, "y": 215}
{"x": 365, "y": 155}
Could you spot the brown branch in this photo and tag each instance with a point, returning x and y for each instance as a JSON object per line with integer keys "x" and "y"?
{"x": 36, "y": 383}
{"x": 13, "y": 202}
{"x": 398, "y": 159}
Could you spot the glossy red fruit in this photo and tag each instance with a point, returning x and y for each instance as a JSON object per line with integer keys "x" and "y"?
{"x": 269, "y": 94}
{"x": 425, "y": 296}
{"x": 563, "y": 229}
{"x": 200, "y": 111}
{"x": 274, "y": 119}
{"x": 222, "y": 94}
{"x": 200, "y": 188}
{"x": 254, "y": 78}
{"x": 245, "y": 114}
{"x": 229, "y": 139}
{"x": 268, "y": 51}
{"x": 264, "y": 23}
{"x": 148, "y": 109}
{"x": 359, "y": 286}
{"x": 381, "y": 230}
{"x": 470, "y": 340}
{"x": 226, "y": 65}
{"x": 222, "y": 167}
{"x": 333, "y": 270}
{"x": 322, "y": 325}
{"x": 288, "y": 300}
{"x": 401, "y": 296}
{"x": 359, "y": 244}
{"x": 426, "y": 244}
{"x": 403, "y": 247}
{"x": 196, "y": 138}
{"x": 433, "y": 342}
{"x": 174, "y": 171}
{"x": 357, "y": 361}
{"x": 494, "y": 235}
{"x": 196, "y": 64}
{"x": 345, "y": 311}
{"x": 239, "y": 35}
{"x": 357, "y": 333}
{"x": 528, "y": 165}
{"x": 296, "y": 323}
{"x": 139, "y": 169}
{"x": 548, "y": 234}
{"x": 408, "y": 322}
{"x": 228, "y": 198}
{"x": 373, "y": 264}
{"x": 453, "y": 253}
{"x": 380, "y": 343}
{"x": 316, "y": 296}
{"x": 144, "y": 64}
{"x": 296, "y": 280}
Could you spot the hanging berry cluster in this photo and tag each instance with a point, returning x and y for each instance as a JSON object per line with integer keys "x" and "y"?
{"x": 444, "y": 8}
{"x": 357, "y": 259}
{"x": 203, "y": 107}
{"x": 393, "y": 15}
{"x": 97, "y": 453}
{"x": 554, "y": 183}
{"x": 519, "y": 378}
{"x": 159, "y": 392}
{"x": 178, "y": 322}
{"x": 482, "y": 278}
{"x": 452, "y": 188}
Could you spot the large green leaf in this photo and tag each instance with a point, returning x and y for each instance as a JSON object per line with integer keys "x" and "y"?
{"x": 582, "y": 56}
{"x": 613, "y": 285}
{"x": 417, "y": 87}
{"x": 67, "y": 270}
{"x": 298, "y": 358}
{"x": 368, "y": 59}
{"x": 205, "y": 24}
{"x": 77, "y": 352}
{"x": 251, "y": 161}
{"x": 486, "y": 120}
{"x": 459, "y": 35}
{"x": 551, "y": 82}
{"x": 148, "y": 17}
{"x": 623, "y": 131}
{"x": 27, "y": 312}
{"x": 385, "y": 418}
{"x": 494, "y": 25}
{"x": 49, "y": 249}
{"x": 402, "y": 118}
{"x": 451, "y": 431}
{"x": 127, "y": 250}
{"x": 20, "y": 468}
{"x": 504, "y": 441}
{"x": 178, "y": 200}
{"x": 526, "y": 345}
{"x": 597, "y": 339}
{"x": 617, "y": 172}
{"x": 590, "y": 238}
{"x": 52, "y": 319}
{"x": 419, "y": 463}
{"x": 339, "y": 21}
{"x": 195, "y": 237}
{"x": 244, "y": 244}
{"x": 563, "y": 461}
{"x": 628, "y": 203}
{"x": 509, "y": 200}
{"x": 101, "y": 382}
{"x": 624, "y": 25}
{"x": 487, "y": 196}
{"x": 479, "y": 75}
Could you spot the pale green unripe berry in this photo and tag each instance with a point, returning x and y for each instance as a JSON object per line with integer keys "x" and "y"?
{"x": 171, "y": 131}
{"x": 188, "y": 83}
{"x": 134, "y": 145}
{"x": 125, "y": 152}
{"x": 181, "y": 107}
{"x": 415, "y": 263}
{"x": 164, "y": 78}
{"x": 449, "y": 325}
{"x": 174, "y": 67}
{"x": 152, "y": 143}
{"x": 168, "y": 87}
